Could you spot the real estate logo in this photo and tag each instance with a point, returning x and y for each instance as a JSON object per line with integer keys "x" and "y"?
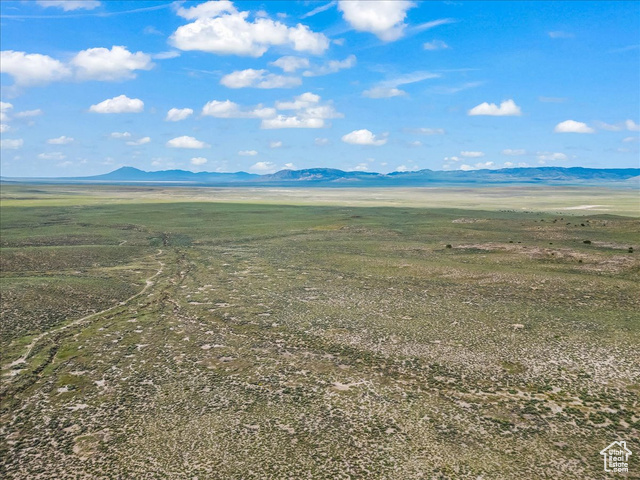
{"x": 616, "y": 457}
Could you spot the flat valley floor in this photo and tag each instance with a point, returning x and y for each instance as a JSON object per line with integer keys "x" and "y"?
{"x": 154, "y": 332}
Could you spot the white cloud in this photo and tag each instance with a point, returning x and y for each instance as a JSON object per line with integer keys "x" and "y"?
{"x": 363, "y": 137}
{"x": 361, "y": 167}
{"x": 632, "y": 126}
{"x": 275, "y": 144}
{"x": 320, "y": 9}
{"x": 258, "y": 79}
{"x": 263, "y": 167}
{"x": 229, "y": 109}
{"x": 466, "y": 167}
{"x": 468, "y": 154}
{"x": 332, "y": 66}
{"x": 166, "y": 55}
{"x": 70, "y": 5}
{"x": 141, "y": 141}
{"x": 4, "y": 111}
{"x": 435, "y": 45}
{"x": 388, "y": 88}
{"x": 571, "y": 126}
{"x": 32, "y": 68}
{"x": 247, "y": 153}
{"x": 219, "y": 28}
{"x": 121, "y": 104}
{"x": 11, "y": 144}
{"x": 402, "y": 168}
{"x": 64, "y": 164}
{"x": 29, "y": 113}
{"x": 207, "y": 9}
{"x": 120, "y": 135}
{"x": 415, "y": 143}
{"x": 186, "y": 142}
{"x": 305, "y": 100}
{"x": 198, "y": 161}
{"x": 177, "y": 114}
{"x": 52, "y": 156}
{"x": 309, "y": 113}
{"x": 290, "y": 166}
{"x": 321, "y": 142}
{"x": 63, "y": 140}
{"x": 290, "y": 64}
{"x": 384, "y": 18}
{"x": 383, "y": 92}
{"x": 284, "y": 121}
{"x": 452, "y": 159}
{"x": 4, "y": 128}
{"x": 544, "y": 157}
{"x": 109, "y": 65}
{"x": 484, "y": 165}
{"x": 514, "y": 152}
{"x": 508, "y": 164}
{"x": 506, "y": 108}
{"x": 631, "y": 139}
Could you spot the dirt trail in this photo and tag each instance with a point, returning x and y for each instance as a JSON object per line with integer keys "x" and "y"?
{"x": 148, "y": 283}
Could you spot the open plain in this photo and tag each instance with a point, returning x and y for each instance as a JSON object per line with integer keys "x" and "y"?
{"x": 155, "y": 332}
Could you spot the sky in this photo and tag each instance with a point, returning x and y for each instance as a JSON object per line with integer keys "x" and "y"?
{"x": 89, "y": 86}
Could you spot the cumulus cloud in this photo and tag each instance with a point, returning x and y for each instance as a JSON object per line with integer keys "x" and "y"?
{"x": 4, "y": 128}
{"x": 284, "y": 121}
{"x": 321, "y": 142}
{"x": 290, "y": 64}
{"x": 435, "y": 45}
{"x": 513, "y": 152}
{"x": 229, "y": 109}
{"x": 141, "y": 141}
{"x": 63, "y": 140}
{"x": 363, "y": 137}
{"x": 198, "y": 161}
{"x": 11, "y": 143}
{"x": 361, "y": 167}
{"x": 218, "y": 27}
{"x": 571, "y": 126}
{"x": 332, "y": 66}
{"x": 466, "y": 167}
{"x": 120, "y": 135}
{"x": 263, "y": 167}
{"x": 4, "y": 111}
{"x": 402, "y": 168}
{"x": 308, "y": 113}
{"x": 109, "y": 65}
{"x": 177, "y": 114}
{"x": 52, "y": 156}
{"x": 275, "y": 144}
{"x": 70, "y": 5}
{"x": 383, "y": 18}
{"x": 544, "y": 157}
{"x": 120, "y": 104}
{"x": 631, "y": 125}
{"x": 258, "y": 79}
{"x": 506, "y": 108}
{"x": 247, "y": 153}
{"x": 186, "y": 142}
{"x": 28, "y": 69}
{"x": 383, "y": 92}
{"x": 468, "y": 154}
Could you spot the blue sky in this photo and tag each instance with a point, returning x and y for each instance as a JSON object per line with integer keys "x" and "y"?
{"x": 89, "y": 86}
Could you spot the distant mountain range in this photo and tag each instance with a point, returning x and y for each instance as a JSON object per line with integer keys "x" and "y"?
{"x": 333, "y": 177}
